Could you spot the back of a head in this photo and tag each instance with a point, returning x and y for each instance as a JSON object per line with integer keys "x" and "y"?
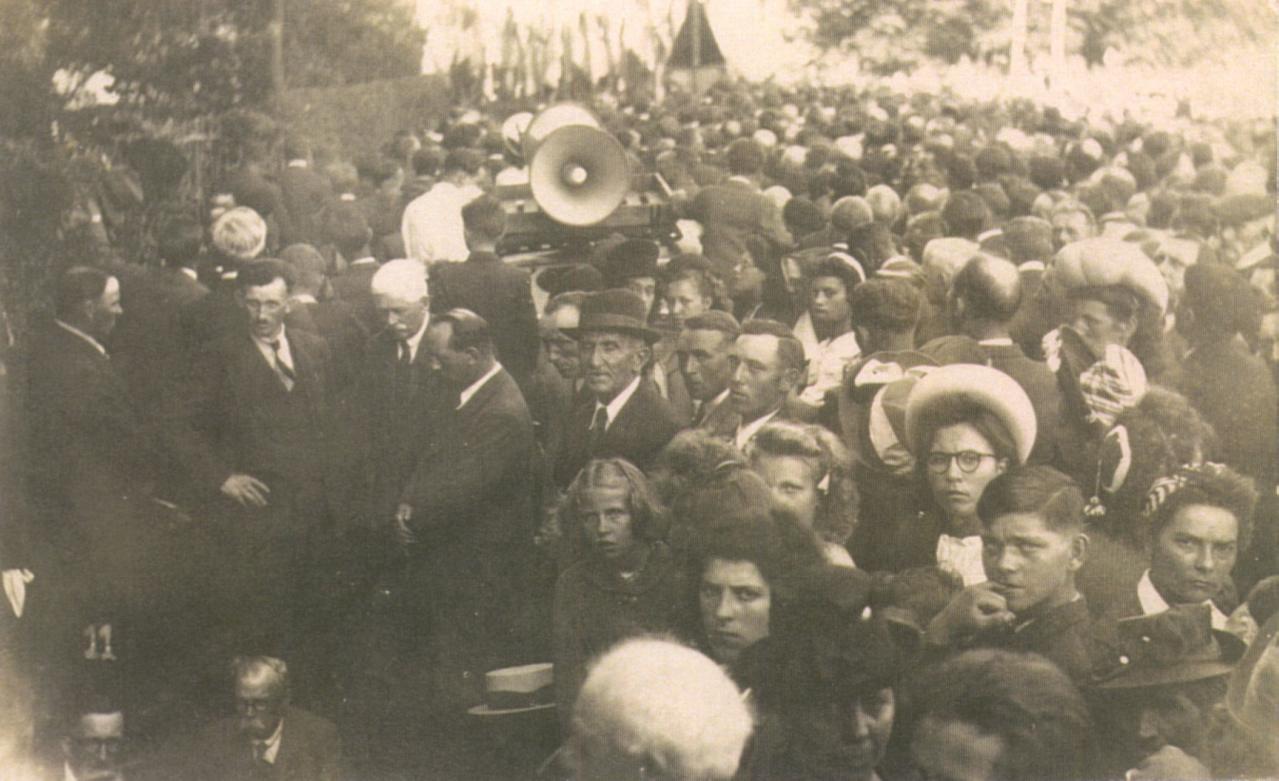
{"x": 990, "y": 288}
{"x": 179, "y": 240}
{"x": 485, "y": 217}
{"x": 1024, "y": 700}
{"x": 308, "y": 267}
{"x": 469, "y": 330}
{"x": 965, "y": 214}
{"x": 76, "y": 286}
{"x": 296, "y": 147}
{"x": 850, "y": 213}
{"x": 745, "y": 157}
{"x": 662, "y": 708}
{"x": 348, "y": 229}
{"x": 891, "y": 305}
{"x": 239, "y": 234}
{"x": 1028, "y": 238}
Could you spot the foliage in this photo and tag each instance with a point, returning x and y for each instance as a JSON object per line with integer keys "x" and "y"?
{"x": 337, "y": 42}
{"x": 892, "y": 35}
{"x": 184, "y": 58}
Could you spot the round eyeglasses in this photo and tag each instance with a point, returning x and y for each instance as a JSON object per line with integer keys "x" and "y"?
{"x": 968, "y": 461}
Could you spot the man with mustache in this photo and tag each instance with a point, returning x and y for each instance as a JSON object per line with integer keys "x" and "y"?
{"x": 1033, "y": 543}
{"x": 268, "y": 738}
{"x": 626, "y": 416}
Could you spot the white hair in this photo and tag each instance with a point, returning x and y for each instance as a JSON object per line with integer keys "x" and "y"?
{"x": 239, "y": 233}
{"x": 665, "y": 705}
{"x": 402, "y": 279}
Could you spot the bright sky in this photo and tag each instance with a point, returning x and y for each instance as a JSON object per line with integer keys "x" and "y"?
{"x": 749, "y": 31}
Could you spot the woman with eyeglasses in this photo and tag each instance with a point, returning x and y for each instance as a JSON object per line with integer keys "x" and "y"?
{"x": 965, "y": 425}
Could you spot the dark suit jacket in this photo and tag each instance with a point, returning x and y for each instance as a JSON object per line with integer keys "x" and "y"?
{"x": 89, "y": 465}
{"x": 1062, "y": 634}
{"x": 1235, "y": 392}
{"x": 210, "y": 318}
{"x": 353, "y": 284}
{"x": 500, "y": 294}
{"x": 730, "y": 213}
{"x": 642, "y": 428}
{"x": 310, "y": 750}
{"x": 306, "y": 195}
{"x": 234, "y": 416}
{"x": 395, "y": 419}
{"x": 147, "y": 342}
{"x": 334, "y": 321}
{"x": 473, "y": 482}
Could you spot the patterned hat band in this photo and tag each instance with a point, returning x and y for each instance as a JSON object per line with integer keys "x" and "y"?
{"x": 1165, "y": 488}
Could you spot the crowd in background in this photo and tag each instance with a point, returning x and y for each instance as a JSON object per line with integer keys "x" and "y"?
{"x": 934, "y": 440}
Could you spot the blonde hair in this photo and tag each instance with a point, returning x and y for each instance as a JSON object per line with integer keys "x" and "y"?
{"x": 665, "y": 706}
{"x": 239, "y": 234}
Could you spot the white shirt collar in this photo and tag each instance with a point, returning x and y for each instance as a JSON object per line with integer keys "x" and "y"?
{"x": 96, "y": 344}
{"x": 364, "y": 261}
{"x": 741, "y": 180}
{"x": 67, "y": 773}
{"x": 747, "y": 430}
{"x": 474, "y": 387}
{"x": 962, "y": 555}
{"x": 299, "y": 163}
{"x": 272, "y": 744}
{"x": 265, "y": 346}
{"x": 999, "y": 341}
{"x": 416, "y": 339}
{"x": 1153, "y": 602}
{"x": 190, "y": 272}
{"x": 304, "y": 298}
{"x": 714, "y": 403}
{"x": 346, "y": 197}
{"x": 614, "y": 407}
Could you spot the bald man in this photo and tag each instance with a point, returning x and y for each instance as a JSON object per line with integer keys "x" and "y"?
{"x": 268, "y": 738}
{"x": 983, "y": 300}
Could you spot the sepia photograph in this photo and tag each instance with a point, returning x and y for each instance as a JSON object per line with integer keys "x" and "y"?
{"x": 639, "y": 390}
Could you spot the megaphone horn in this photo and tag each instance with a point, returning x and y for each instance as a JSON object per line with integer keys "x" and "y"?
{"x": 553, "y": 118}
{"x": 579, "y": 175}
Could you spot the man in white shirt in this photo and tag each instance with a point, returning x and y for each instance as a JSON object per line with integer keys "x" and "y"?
{"x": 432, "y": 224}
{"x": 767, "y": 364}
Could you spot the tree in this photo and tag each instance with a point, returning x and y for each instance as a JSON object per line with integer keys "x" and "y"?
{"x": 184, "y": 58}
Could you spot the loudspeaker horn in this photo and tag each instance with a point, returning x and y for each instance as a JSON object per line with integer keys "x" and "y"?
{"x": 579, "y": 175}
{"x": 513, "y": 130}
{"x": 552, "y": 118}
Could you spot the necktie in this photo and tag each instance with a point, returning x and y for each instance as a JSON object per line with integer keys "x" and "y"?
{"x": 598, "y": 424}
{"x": 285, "y": 371}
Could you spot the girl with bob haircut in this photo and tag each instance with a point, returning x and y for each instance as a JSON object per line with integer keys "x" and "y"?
{"x": 623, "y": 580}
{"x": 809, "y": 473}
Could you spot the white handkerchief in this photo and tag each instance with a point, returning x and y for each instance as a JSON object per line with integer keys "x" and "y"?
{"x": 15, "y": 588}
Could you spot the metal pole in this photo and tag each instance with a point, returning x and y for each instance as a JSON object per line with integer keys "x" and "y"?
{"x": 695, "y": 31}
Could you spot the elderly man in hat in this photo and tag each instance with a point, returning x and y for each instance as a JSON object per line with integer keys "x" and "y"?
{"x": 625, "y": 415}
{"x": 1158, "y": 691}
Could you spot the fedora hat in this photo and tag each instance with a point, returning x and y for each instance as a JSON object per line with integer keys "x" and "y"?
{"x": 614, "y": 310}
{"x": 1177, "y": 645}
{"x": 523, "y": 689}
{"x": 981, "y": 385}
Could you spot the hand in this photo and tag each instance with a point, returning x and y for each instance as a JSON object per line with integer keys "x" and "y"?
{"x": 973, "y": 610}
{"x": 404, "y": 534}
{"x": 1168, "y": 764}
{"x": 247, "y": 490}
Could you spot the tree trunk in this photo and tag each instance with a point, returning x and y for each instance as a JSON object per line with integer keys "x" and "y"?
{"x": 1057, "y": 37}
{"x": 1017, "y": 48}
{"x": 275, "y": 28}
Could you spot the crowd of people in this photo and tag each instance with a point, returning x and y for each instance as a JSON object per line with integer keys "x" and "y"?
{"x": 938, "y": 441}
